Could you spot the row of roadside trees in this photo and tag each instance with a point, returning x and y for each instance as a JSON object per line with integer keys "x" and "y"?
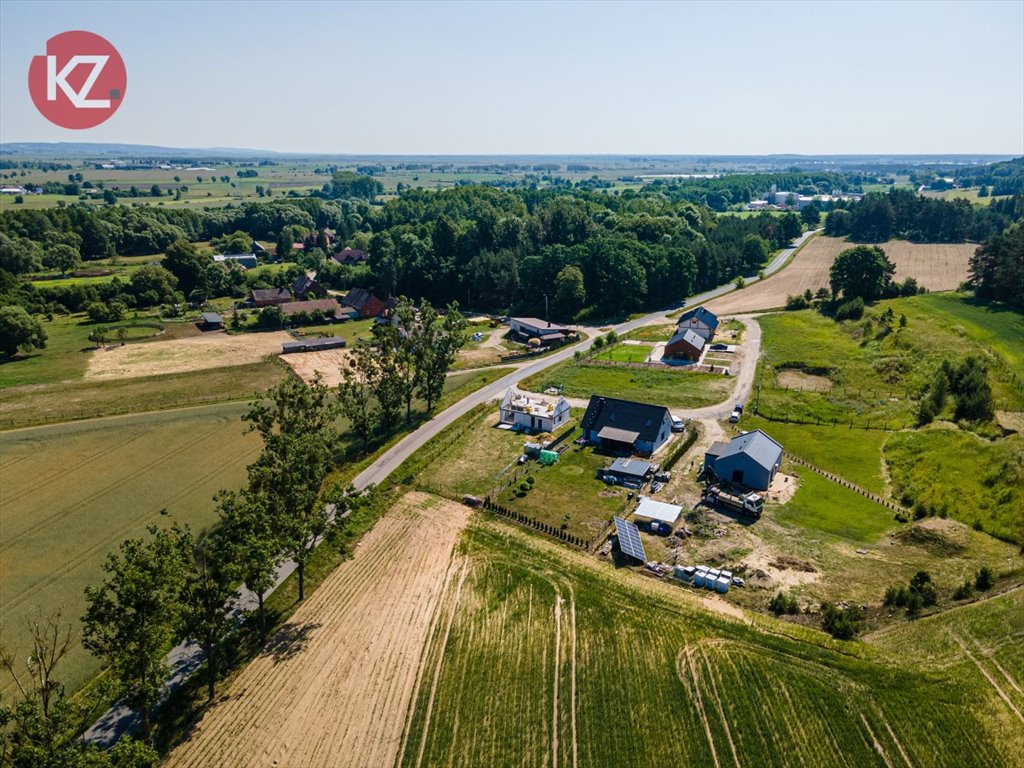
{"x": 175, "y": 585}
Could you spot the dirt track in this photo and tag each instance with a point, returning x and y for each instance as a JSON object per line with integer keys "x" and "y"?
{"x": 937, "y": 267}
{"x": 195, "y": 353}
{"x": 336, "y": 682}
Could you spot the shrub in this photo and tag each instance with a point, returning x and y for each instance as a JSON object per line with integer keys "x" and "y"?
{"x": 850, "y": 310}
{"x": 985, "y": 580}
{"x": 783, "y": 604}
{"x": 964, "y": 591}
{"x": 796, "y": 302}
{"x": 842, "y": 624}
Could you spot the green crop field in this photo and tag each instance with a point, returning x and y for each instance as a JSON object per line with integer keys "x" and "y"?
{"x": 677, "y": 389}
{"x": 72, "y": 492}
{"x": 598, "y": 666}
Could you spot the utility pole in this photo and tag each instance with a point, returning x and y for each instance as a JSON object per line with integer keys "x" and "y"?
{"x": 547, "y": 318}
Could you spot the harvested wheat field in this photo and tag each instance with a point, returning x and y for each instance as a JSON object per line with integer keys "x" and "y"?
{"x": 195, "y": 353}
{"x": 335, "y": 683}
{"x": 326, "y": 362}
{"x": 936, "y": 266}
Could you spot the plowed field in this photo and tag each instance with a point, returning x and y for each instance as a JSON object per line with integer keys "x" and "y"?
{"x": 335, "y": 683}
{"x": 938, "y": 267}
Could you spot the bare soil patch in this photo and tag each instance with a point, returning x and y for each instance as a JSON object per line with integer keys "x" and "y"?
{"x": 326, "y": 362}
{"x": 194, "y": 353}
{"x": 804, "y": 381}
{"x": 337, "y": 681}
{"x": 937, "y": 266}
{"x": 782, "y": 489}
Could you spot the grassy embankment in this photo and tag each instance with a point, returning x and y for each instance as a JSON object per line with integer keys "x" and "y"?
{"x": 837, "y": 373}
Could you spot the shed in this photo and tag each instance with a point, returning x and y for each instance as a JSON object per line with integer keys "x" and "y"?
{"x": 630, "y": 471}
{"x": 313, "y": 345}
{"x": 750, "y": 460}
{"x": 211, "y": 321}
{"x": 651, "y": 510}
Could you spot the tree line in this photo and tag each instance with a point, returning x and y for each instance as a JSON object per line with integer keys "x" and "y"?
{"x": 903, "y": 214}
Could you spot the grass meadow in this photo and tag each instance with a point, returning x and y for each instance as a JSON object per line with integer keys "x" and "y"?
{"x": 626, "y": 353}
{"x": 599, "y": 666}
{"x": 678, "y": 389}
{"x": 826, "y": 507}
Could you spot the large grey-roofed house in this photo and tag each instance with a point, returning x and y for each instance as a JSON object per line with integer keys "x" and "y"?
{"x": 626, "y": 426}
{"x": 526, "y": 328}
{"x": 750, "y": 459}
{"x": 700, "y": 320}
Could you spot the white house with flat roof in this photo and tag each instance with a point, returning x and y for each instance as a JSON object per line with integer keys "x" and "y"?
{"x": 537, "y": 414}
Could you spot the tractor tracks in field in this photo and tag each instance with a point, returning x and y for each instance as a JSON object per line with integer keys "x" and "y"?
{"x": 989, "y": 676}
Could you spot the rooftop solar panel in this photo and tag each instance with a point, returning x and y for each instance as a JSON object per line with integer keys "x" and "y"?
{"x": 629, "y": 539}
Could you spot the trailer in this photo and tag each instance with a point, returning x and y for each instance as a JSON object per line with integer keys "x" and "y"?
{"x": 747, "y": 504}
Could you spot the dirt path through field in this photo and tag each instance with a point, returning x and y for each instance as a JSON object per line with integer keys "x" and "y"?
{"x": 335, "y": 683}
{"x": 195, "y": 353}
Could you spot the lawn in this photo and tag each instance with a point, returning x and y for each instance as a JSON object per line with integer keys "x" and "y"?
{"x": 555, "y": 658}
{"x": 676, "y": 389}
{"x": 651, "y": 333}
{"x": 72, "y": 492}
{"x": 626, "y": 353}
{"x": 823, "y": 506}
{"x": 953, "y": 473}
{"x": 855, "y": 455}
{"x": 567, "y": 494}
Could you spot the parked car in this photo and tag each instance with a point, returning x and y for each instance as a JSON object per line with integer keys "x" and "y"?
{"x": 678, "y": 425}
{"x": 718, "y": 347}
{"x": 738, "y": 407}
{"x": 735, "y": 417}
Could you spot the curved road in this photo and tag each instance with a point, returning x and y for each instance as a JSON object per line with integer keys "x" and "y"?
{"x": 185, "y": 659}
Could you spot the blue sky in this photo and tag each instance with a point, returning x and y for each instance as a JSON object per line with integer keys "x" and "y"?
{"x": 495, "y": 78}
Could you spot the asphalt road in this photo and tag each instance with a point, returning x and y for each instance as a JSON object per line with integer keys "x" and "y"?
{"x": 185, "y": 659}
{"x": 394, "y": 456}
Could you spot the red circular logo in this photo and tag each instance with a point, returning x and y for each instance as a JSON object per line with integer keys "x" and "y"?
{"x": 80, "y": 82}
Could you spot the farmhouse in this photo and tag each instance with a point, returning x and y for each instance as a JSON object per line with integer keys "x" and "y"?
{"x": 527, "y": 328}
{"x": 686, "y": 344}
{"x": 270, "y": 297}
{"x": 313, "y": 345}
{"x": 623, "y": 426}
{"x": 531, "y": 412}
{"x": 305, "y": 286}
{"x": 700, "y": 320}
{"x": 364, "y": 302}
{"x": 328, "y": 307}
{"x": 246, "y": 260}
{"x": 351, "y": 256}
{"x": 750, "y": 459}
{"x": 651, "y": 511}
{"x": 630, "y": 472}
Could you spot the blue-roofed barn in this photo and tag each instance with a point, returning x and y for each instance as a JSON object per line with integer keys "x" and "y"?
{"x": 750, "y": 459}
{"x": 686, "y": 344}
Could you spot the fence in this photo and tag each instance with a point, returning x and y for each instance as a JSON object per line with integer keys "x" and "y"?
{"x": 785, "y": 418}
{"x": 847, "y": 484}
{"x": 549, "y": 530}
{"x": 695, "y": 368}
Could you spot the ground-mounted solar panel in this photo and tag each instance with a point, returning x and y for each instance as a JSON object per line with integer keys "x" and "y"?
{"x": 629, "y": 540}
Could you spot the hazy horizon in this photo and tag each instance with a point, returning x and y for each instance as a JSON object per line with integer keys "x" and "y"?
{"x": 503, "y": 79}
